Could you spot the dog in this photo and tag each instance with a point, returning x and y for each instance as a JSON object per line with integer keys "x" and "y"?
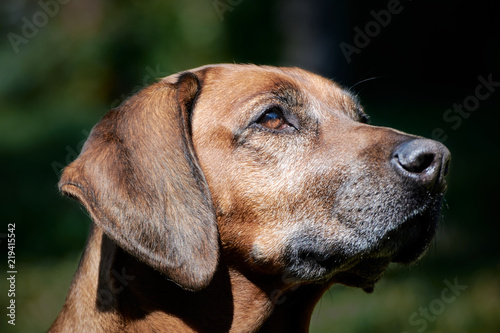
{"x": 229, "y": 198}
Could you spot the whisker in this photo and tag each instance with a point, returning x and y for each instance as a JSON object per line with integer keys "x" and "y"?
{"x": 351, "y": 88}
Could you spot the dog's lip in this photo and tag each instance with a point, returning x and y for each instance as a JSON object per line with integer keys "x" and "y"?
{"x": 364, "y": 274}
{"x": 405, "y": 242}
{"x": 417, "y": 234}
{"x": 410, "y": 240}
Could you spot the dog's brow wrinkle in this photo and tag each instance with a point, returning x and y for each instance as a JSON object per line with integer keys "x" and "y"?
{"x": 287, "y": 97}
{"x": 287, "y": 93}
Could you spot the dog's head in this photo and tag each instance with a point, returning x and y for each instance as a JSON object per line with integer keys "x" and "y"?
{"x": 275, "y": 168}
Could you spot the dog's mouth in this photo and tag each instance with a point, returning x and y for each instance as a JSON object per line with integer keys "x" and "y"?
{"x": 412, "y": 239}
{"x": 409, "y": 241}
{"x": 355, "y": 265}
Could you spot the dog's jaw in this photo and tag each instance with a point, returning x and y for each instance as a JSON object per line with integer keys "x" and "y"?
{"x": 358, "y": 260}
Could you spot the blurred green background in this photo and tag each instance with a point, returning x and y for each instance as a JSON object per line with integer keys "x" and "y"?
{"x": 64, "y": 63}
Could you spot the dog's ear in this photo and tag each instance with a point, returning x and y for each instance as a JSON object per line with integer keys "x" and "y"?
{"x": 139, "y": 178}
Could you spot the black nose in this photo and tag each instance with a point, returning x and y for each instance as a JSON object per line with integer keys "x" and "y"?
{"x": 424, "y": 161}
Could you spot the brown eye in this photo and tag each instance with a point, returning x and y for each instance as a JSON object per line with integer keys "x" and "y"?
{"x": 273, "y": 119}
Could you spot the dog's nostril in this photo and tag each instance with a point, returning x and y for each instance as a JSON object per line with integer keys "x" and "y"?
{"x": 425, "y": 161}
{"x": 416, "y": 163}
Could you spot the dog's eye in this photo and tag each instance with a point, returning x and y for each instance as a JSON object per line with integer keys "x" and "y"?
{"x": 273, "y": 119}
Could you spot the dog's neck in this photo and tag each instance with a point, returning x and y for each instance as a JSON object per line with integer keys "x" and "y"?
{"x": 113, "y": 291}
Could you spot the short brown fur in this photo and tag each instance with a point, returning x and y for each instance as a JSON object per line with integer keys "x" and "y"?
{"x": 207, "y": 221}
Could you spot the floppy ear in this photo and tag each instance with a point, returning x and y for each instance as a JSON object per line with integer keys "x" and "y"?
{"x": 139, "y": 178}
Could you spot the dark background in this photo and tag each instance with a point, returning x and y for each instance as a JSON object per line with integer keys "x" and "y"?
{"x": 64, "y": 64}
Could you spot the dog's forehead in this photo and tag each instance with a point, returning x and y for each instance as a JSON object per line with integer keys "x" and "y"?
{"x": 234, "y": 85}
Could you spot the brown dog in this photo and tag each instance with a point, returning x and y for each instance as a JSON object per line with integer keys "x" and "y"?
{"x": 228, "y": 198}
